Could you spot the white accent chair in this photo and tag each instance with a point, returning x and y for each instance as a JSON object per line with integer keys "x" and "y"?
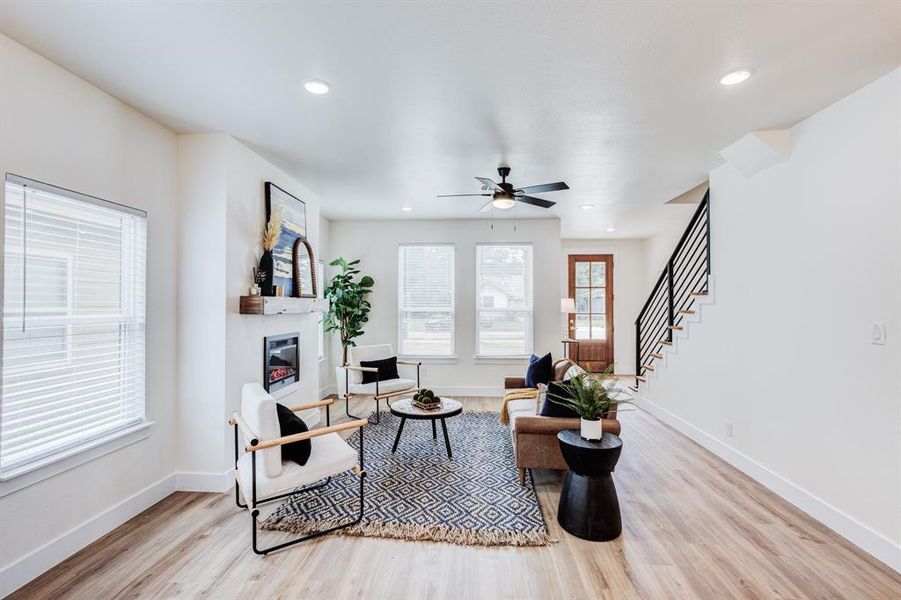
{"x": 350, "y": 377}
{"x": 262, "y": 475}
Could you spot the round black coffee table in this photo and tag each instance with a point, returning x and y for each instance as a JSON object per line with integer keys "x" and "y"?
{"x": 405, "y": 410}
{"x": 589, "y": 508}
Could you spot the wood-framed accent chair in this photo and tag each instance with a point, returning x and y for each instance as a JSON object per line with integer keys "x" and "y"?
{"x": 350, "y": 377}
{"x": 262, "y": 475}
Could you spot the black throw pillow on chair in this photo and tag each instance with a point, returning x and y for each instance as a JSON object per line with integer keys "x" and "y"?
{"x": 540, "y": 370}
{"x": 387, "y": 369}
{"x": 289, "y": 424}
{"x": 552, "y": 409}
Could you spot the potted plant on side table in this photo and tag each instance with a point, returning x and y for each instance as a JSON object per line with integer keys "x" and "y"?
{"x": 591, "y": 396}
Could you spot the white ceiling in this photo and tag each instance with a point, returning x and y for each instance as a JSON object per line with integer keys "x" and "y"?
{"x": 618, "y": 99}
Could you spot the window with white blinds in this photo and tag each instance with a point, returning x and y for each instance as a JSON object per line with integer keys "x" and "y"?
{"x": 73, "y": 322}
{"x": 503, "y": 299}
{"x": 426, "y": 300}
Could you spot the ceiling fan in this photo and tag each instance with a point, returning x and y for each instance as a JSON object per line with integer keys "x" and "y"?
{"x": 504, "y": 195}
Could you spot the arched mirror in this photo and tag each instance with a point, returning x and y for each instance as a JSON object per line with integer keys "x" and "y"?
{"x": 304, "y": 270}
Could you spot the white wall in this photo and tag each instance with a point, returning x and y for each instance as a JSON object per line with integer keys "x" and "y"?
{"x": 54, "y": 127}
{"x": 807, "y": 256}
{"x": 326, "y": 370}
{"x": 629, "y": 290}
{"x": 222, "y": 197}
{"x": 376, "y": 242}
{"x": 246, "y": 218}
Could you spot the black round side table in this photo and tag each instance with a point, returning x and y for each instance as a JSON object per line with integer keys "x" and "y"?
{"x": 589, "y": 508}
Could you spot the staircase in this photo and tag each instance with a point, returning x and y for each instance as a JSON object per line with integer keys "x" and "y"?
{"x": 676, "y": 295}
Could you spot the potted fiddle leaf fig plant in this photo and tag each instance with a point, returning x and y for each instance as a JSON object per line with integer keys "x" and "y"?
{"x": 348, "y": 308}
{"x": 591, "y": 396}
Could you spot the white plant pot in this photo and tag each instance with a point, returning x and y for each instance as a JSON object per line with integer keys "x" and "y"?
{"x": 592, "y": 430}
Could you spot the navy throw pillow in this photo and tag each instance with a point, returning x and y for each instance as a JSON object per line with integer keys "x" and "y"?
{"x": 387, "y": 369}
{"x": 289, "y": 424}
{"x": 552, "y": 409}
{"x": 540, "y": 370}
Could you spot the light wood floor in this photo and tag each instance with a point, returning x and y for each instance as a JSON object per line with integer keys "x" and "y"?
{"x": 693, "y": 527}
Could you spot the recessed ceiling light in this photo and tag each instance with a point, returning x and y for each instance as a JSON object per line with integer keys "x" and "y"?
{"x": 317, "y": 86}
{"x": 587, "y": 206}
{"x": 406, "y": 208}
{"x": 736, "y": 76}
{"x": 611, "y": 228}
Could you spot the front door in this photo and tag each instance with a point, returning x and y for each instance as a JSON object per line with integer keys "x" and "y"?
{"x": 591, "y": 286}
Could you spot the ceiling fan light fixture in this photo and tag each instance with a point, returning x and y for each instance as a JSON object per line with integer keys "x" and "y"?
{"x": 406, "y": 208}
{"x": 611, "y": 228}
{"x": 503, "y": 203}
{"x": 587, "y": 206}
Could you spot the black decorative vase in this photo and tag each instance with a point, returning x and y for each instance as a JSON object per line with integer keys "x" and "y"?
{"x": 266, "y": 268}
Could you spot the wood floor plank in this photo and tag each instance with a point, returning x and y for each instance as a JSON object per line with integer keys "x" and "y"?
{"x": 693, "y": 527}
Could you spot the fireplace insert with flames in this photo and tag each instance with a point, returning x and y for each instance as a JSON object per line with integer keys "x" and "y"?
{"x": 280, "y": 361}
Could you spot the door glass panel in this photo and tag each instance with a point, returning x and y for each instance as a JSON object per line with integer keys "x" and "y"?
{"x": 582, "y": 301}
{"x": 583, "y": 329}
{"x": 598, "y": 274}
{"x": 598, "y": 327}
{"x": 599, "y": 300}
{"x": 582, "y": 274}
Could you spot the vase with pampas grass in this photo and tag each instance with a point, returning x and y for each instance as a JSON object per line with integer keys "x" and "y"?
{"x": 270, "y": 238}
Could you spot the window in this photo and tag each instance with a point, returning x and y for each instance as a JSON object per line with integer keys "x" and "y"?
{"x": 320, "y": 286}
{"x": 426, "y": 300}
{"x": 504, "y": 299}
{"x": 73, "y": 322}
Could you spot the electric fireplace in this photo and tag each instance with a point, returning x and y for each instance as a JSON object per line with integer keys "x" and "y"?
{"x": 281, "y": 361}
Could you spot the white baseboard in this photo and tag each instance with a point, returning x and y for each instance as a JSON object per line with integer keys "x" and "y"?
{"x": 54, "y": 552}
{"x": 205, "y": 482}
{"x": 868, "y": 540}
{"x": 328, "y": 391}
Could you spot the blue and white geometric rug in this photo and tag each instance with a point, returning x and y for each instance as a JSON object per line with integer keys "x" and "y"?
{"x": 419, "y": 494}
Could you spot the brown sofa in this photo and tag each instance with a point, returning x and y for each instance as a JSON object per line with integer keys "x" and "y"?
{"x": 535, "y": 437}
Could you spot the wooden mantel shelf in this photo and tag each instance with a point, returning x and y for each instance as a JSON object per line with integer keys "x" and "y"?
{"x": 281, "y": 305}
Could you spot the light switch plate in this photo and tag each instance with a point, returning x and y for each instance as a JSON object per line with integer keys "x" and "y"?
{"x": 878, "y": 335}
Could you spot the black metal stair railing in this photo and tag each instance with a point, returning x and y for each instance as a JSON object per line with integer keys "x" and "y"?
{"x": 674, "y": 294}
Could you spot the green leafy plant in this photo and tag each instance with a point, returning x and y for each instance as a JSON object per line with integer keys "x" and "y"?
{"x": 591, "y": 395}
{"x": 348, "y": 308}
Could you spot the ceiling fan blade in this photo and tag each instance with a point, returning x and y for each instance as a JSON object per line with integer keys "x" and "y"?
{"x": 545, "y": 187}
{"x": 485, "y": 208}
{"x": 535, "y": 201}
{"x": 488, "y": 184}
{"x": 458, "y": 195}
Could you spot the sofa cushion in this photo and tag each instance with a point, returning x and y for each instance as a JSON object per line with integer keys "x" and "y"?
{"x": 391, "y": 385}
{"x": 387, "y": 369}
{"x": 258, "y": 410}
{"x": 540, "y": 370}
{"x": 291, "y": 424}
{"x": 519, "y": 408}
{"x": 552, "y": 409}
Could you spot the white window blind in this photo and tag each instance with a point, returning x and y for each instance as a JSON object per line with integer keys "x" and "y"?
{"x": 73, "y": 322}
{"x": 426, "y": 300}
{"x": 503, "y": 299}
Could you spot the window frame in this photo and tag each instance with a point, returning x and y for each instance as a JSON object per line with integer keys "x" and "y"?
{"x": 452, "y": 355}
{"x": 320, "y": 285}
{"x": 479, "y": 356}
{"x": 89, "y": 447}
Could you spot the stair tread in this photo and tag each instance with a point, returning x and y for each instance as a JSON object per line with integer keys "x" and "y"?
{"x": 667, "y": 342}
{"x": 700, "y": 293}
{"x": 640, "y": 378}
{"x": 686, "y": 312}
{"x": 656, "y": 355}
{"x": 675, "y": 327}
{"x": 648, "y": 367}
{"x": 633, "y": 388}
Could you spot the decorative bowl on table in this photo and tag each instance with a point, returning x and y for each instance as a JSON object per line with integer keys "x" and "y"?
{"x": 426, "y": 399}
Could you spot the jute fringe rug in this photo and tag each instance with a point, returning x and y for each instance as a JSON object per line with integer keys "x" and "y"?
{"x": 419, "y": 494}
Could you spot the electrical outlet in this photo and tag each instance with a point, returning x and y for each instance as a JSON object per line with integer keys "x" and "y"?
{"x": 728, "y": 428}
{"x": 878, "y": 334}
